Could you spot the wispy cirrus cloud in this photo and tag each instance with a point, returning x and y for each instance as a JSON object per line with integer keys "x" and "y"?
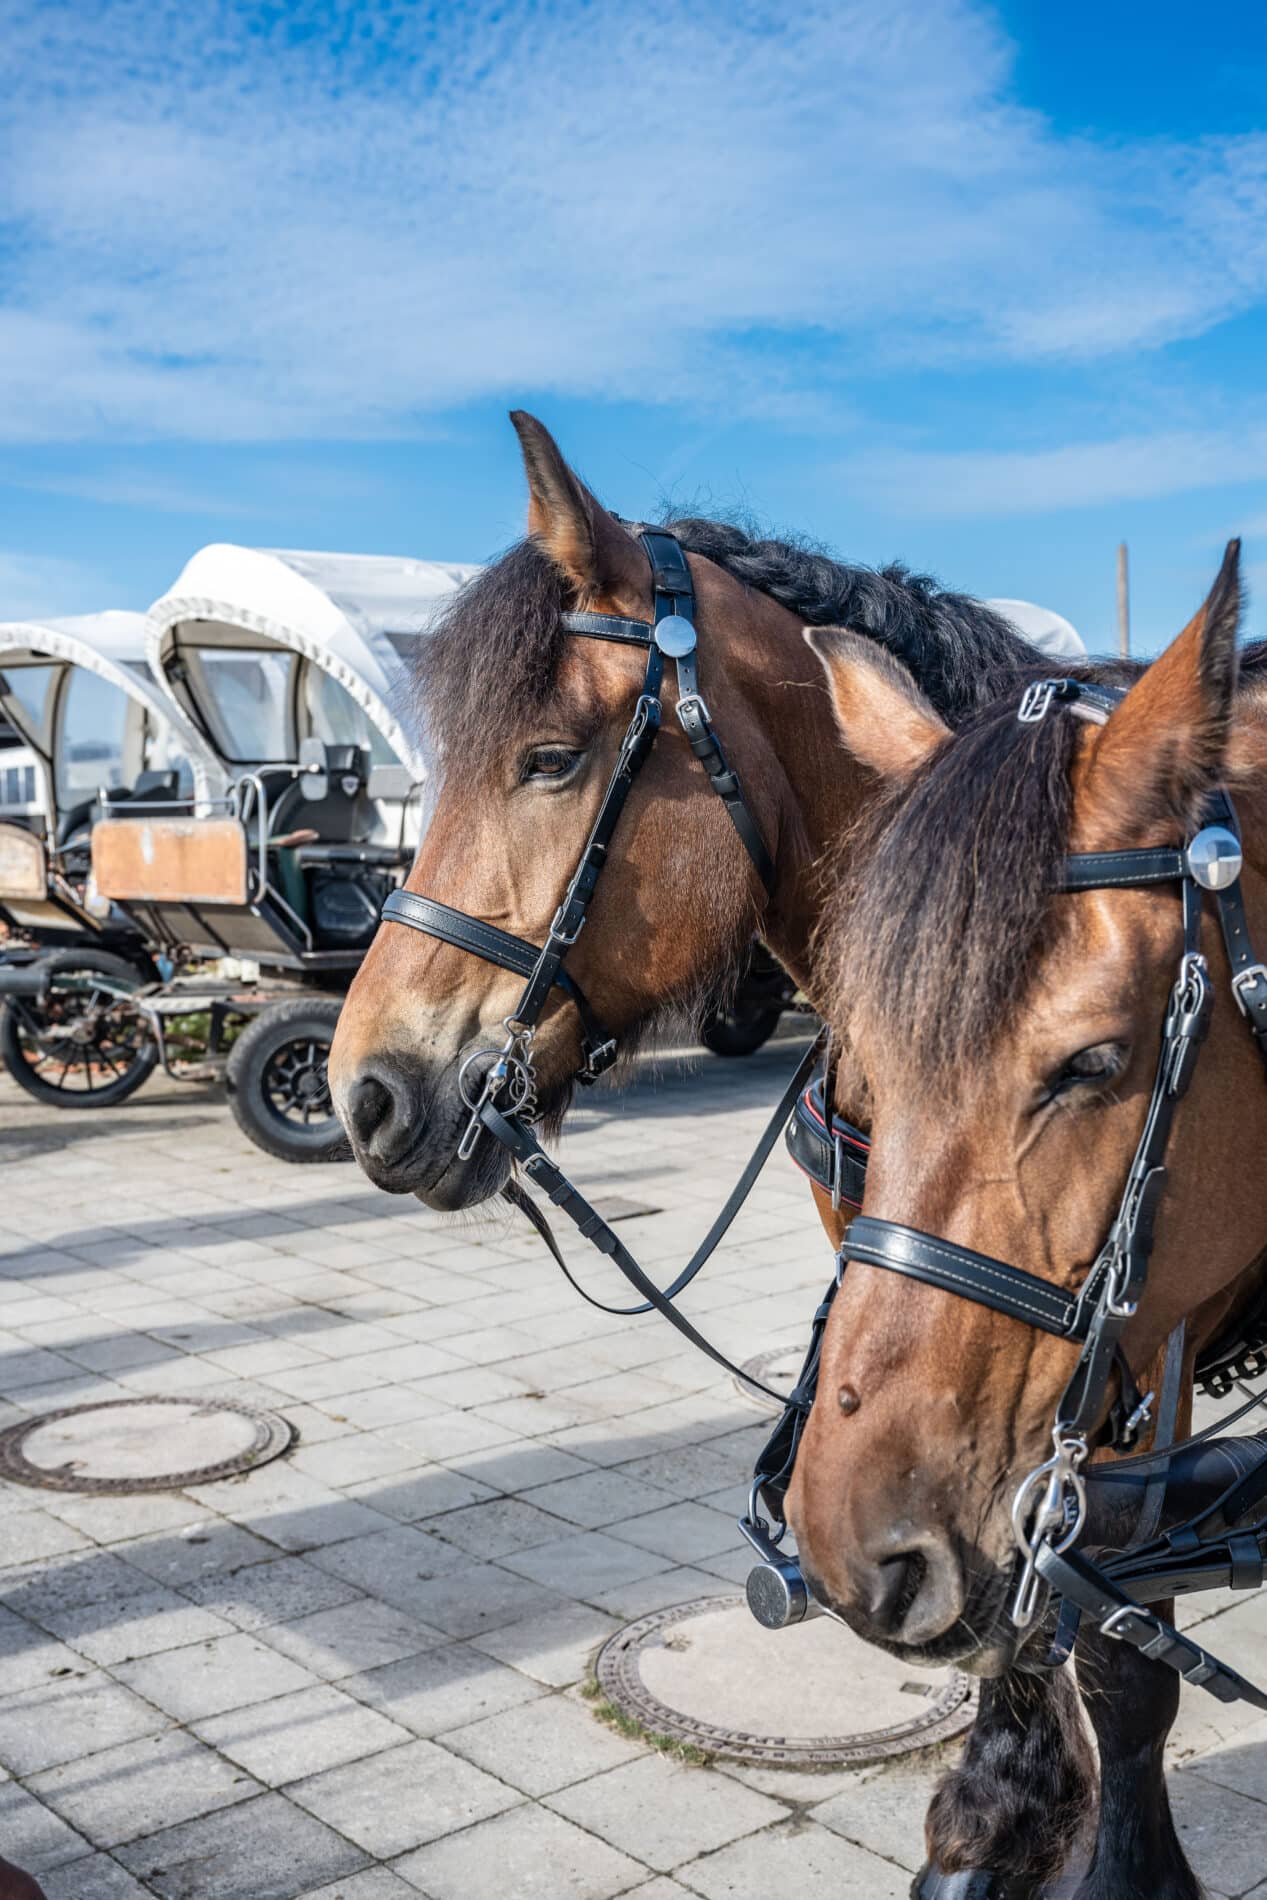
{"x": 1140, "y": 467}
{"x": 238, "y": 223}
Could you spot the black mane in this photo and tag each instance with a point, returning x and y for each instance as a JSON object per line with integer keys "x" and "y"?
{"x": 490, "y": 662}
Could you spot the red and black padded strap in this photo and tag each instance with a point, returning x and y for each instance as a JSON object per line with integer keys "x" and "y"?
{"x": 835, "y": 1156}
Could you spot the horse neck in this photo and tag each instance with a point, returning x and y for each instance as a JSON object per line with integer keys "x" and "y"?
{"x": 821, "y": 788}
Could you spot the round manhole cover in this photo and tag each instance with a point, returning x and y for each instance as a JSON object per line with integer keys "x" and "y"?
{"x": 779, "y": 1368}
{"x": 142, "y": 1444}
{"x": 707, "y": 1673}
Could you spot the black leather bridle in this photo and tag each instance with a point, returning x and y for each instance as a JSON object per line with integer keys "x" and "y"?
{"x": 1050, "y": 1508}
{"x": 670, "y": 635}
{"x": 506, "y": 1102}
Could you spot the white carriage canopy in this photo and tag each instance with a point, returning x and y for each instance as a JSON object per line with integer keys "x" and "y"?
{"x": 80, "y": 693}
{"x": 351, "y": 617}
{"x": 1048, "y": 631}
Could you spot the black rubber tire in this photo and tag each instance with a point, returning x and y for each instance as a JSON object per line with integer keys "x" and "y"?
{"x": 294, "y": 1034}
{"x": 13, "y": 1050}
{"x": 739, "y": 1035}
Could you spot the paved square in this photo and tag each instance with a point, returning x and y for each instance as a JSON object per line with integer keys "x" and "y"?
{"x": 353, "y": 1674}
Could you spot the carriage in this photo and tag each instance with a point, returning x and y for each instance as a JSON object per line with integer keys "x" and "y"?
{"x": 289, "y": 668}
{"x": 95, "y": 734}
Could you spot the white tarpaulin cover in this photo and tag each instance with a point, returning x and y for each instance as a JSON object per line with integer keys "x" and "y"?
{"x": 112, "y": 645}
{"x": 1049, "y": 632}
{"x": 338, "y": 610}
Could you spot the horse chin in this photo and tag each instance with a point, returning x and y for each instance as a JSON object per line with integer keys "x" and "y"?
{"x": 462, "y": 1184}
{"x": 451, "y": 1184}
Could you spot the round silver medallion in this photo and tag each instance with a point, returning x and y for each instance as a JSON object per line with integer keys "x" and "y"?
{"x": 1214, "y": 857}
{"x": 675, "y": 636}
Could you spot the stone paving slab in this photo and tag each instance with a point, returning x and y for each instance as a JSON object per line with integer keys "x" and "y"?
{"x": 353, "y": 1674}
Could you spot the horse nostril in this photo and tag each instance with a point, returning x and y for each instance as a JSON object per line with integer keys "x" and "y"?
{"x": 895, "y": 1584}
{"x": 369, "y": 1103}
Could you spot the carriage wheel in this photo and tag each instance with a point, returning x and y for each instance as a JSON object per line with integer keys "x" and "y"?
{"x": 276, "y": 1077}
{"x": 81, "y": 1044}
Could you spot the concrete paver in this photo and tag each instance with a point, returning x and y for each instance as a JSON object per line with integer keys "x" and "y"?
{"x": 542, "y": 1746}
{"x": 351, "y": 1674}
{"x": 300, "y": 1734}
{"x": 664, "y": 1813}
{"x": 544, "y": 1856}
{"x": 121, "y": 1793}
{"x": 266, "y": 1849}
{"x": 403, "y": 1798}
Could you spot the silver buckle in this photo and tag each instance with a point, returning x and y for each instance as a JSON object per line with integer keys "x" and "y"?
{"x": 837, "y": 1170}
{"x": 556, "y": 931}
{"x": 1252, "y": 973}
{"x": 1036, "y": 701}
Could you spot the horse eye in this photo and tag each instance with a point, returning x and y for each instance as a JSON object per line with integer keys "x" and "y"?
{"x": 1090, "y": 1068}
{"x": 549, "y": 762}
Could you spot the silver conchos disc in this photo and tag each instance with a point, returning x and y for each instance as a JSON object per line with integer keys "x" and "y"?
{"x": 675, "y": 636}
{"x": 707, "y": 1673}
{"x": 125, "y": 1446}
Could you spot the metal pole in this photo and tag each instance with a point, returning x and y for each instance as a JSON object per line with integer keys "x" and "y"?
{"x": 1123, "y": 603}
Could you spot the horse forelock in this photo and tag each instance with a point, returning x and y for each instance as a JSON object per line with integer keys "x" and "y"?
{"x": 944, "y": 894}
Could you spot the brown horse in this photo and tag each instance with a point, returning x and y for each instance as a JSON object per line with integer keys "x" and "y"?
{"x": 1005, "y": 1036}
{"x": 527, "y": 724}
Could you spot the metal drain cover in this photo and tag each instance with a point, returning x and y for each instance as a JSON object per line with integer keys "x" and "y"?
{"x": 707, "y": 1673}
{"x": 779, "y": 1368}
{"x": 141, "y": 1444}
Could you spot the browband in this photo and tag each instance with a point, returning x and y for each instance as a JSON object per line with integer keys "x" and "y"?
{"x": 633, "y": 633}
{"x": 1118, "y": 870}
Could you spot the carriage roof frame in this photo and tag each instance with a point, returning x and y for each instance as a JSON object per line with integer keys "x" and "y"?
{"x": 111, "y": 644}
{"x": 338, "y": 611}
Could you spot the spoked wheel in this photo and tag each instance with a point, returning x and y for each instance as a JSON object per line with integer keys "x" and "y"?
{"x": 277, "y": 1082}
{"x": 82, "y": 1044}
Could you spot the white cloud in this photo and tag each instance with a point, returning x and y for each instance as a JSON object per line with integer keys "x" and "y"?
{"x": 1075, "y": 475}
{"x": 343, "y": 220}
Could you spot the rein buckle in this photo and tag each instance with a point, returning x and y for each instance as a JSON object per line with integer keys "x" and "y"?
{"x": 1245, "y": 980}
{"x": 1037, "y": 698}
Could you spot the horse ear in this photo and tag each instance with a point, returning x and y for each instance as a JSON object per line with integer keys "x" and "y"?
{"x": 1166, "y": 745}
{"x": 883, "y": 717}
{"x": 574, "y": 528}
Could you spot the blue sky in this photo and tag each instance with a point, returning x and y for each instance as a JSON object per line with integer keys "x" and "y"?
{"x": 980, "y": 287}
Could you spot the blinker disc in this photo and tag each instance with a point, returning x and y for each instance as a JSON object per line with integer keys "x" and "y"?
{"x": 1214, "y": 857}
{"x": 675, "y": 636}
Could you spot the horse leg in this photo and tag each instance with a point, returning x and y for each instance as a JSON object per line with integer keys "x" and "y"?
{"x": 1132, "y": 1704}
{"x": 15, "y": 1885}
{"x": 1003, "y": 1821}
